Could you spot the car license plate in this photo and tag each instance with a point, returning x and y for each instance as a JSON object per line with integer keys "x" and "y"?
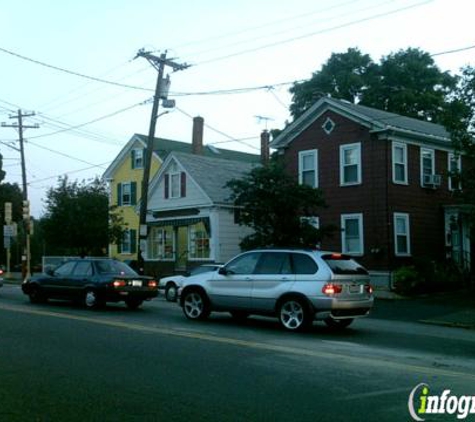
{"x": 136, "y": 283}
{"x": 354, "y": 288}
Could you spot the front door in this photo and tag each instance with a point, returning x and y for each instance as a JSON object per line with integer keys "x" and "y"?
{"x": 181, "y": 242}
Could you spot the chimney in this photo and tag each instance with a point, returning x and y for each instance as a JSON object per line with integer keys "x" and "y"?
{"x": 265, "y": 154}
{"x": 197, "y": 136}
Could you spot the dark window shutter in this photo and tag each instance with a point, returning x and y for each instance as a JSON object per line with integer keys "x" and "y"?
{"x": 119, "y": 194}
{"x": 133, "y": 241}
{"x": 133, "y": 193}
{"x": 167, "y": 183}
{"x": 119, "y": 245}
{"x": 183, "y": 184}
{"x": 132, "y": 161}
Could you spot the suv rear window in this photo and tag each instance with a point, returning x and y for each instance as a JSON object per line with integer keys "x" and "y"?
{"x": 343, "y": 264}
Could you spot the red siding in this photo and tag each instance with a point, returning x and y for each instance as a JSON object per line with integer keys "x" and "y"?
{"x": 377, "y": 198}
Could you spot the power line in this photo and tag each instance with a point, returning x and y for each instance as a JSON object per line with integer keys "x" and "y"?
{"x": 71, "y": 72}
{"x": 322, "y": 31}
{"x": 457, "y": 50}
{"x": 231, "y": 138}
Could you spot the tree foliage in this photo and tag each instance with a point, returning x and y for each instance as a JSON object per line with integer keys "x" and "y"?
{"x": 77, "y": 218}
{"x": 272, "y": 203}
{"x": 460, "y": 121}
{"x": 406, "y": 82}
{"x": 11, "y": 192}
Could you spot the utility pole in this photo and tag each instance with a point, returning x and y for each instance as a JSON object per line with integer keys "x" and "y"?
{"x": 161, "y": 93}
{"x": 26, "y": 258}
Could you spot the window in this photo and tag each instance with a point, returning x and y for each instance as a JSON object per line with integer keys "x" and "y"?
{"x": 137, "y": 158}
{"x": 244, "y": 264}
{"x": 274, "y": 263}
{"x": 129, "y": 242}
{"x": 303, "y": 264}
{"x": 161, "y": 244}
{"x": 352, "y": 234}
{"x": 328, "y": 126}
{"x": 66, "y": 269}
{"x": 83, "y": 269}
{"x": 402, "y": 244}
{"x": 308, "y": 168}
{"x": 399, "y": 163}
{"x": 427, "y": 166}
{"x": 350, "y": 164}
{"x": 127, "y": 193}
{"x": 198, "y": 242}
{"x": 175, "y": 183}
{"x": 455, "y": 167}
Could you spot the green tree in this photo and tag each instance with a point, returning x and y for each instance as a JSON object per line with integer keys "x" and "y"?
{"x": 406, "y": 82}
{"x": 409, "y": 83}
{"x": 344, "y": 75}
{"x": 77, "y": 219}
{"x": 272, "y": 203}
{"x": 460, "y": 122}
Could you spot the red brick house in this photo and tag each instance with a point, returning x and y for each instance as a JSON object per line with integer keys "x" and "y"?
{"x": 386, "y": 181}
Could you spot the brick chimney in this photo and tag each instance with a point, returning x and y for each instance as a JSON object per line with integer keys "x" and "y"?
{"x": 197, "y": 136}
{"x": 265, "y": 154}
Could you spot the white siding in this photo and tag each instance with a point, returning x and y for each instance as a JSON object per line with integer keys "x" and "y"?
{"x": 195, "y": 197}
{"x": 230, "y": 235}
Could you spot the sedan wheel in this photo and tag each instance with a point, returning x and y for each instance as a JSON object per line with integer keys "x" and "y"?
{"x": 195, "y": 305}
{"x": 92, "y": 300}
{"x": 36, "y": 296}
{"x": 293, "y": 315}
{"x": 171, "y": 293}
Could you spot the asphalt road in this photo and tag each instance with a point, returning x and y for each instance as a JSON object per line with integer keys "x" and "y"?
{"x": 59, "y": 362}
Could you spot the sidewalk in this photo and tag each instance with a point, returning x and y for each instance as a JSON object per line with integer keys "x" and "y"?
{"x": 451, "y": 309}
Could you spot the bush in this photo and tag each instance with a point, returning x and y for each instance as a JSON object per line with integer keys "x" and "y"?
{"x": 407, "y": 280}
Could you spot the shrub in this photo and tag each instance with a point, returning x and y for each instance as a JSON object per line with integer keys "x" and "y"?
{"x": 407, "y": 280}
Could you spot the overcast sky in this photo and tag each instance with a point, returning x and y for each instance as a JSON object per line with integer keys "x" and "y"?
{"x": 45, "y": 47}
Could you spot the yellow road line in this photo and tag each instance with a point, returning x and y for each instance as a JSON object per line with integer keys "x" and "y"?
{"x": 348, "y": 359}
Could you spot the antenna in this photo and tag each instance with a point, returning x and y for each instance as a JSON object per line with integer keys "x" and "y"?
{"x": 266, "y": 119}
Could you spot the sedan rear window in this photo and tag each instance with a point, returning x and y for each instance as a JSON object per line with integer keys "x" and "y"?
{"x": 343, "y": 264}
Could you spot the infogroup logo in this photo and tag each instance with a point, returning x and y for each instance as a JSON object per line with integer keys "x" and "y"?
{"x": 420, "y": 403}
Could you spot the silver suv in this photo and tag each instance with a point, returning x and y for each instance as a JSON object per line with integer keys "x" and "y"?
{"x": 296, "y": 285}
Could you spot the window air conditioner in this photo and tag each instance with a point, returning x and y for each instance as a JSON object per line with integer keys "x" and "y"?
{"x": 433, "y": 180}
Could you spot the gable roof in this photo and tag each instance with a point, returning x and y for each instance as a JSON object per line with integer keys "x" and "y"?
{"x": 376, "y": 120}
{"x": 163, "y": 147}
{"x": 210, "y": 173}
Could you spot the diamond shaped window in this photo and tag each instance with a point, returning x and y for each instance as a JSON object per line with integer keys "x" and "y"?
{"x": 328, "y": 126}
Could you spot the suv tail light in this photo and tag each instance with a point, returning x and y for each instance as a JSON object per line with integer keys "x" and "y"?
{"x": 331, "y": 289}
{"x": 369, "y": 288}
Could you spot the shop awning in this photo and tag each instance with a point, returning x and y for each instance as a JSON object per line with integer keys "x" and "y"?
{"x": 181, "y": 222}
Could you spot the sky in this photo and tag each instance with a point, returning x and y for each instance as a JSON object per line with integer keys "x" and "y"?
{"x": 73, "y": 64}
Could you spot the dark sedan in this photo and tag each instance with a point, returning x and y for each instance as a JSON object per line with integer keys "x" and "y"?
{"x": 92, "y": 282}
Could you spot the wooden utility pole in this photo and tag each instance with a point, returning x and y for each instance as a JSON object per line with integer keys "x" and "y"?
{"x": 26, "y": 268}
{"x": 161, "y": 93}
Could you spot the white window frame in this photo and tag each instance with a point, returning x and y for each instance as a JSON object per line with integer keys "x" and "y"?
{"x": 396, "y": 145}
{"x": 157, "y": 243}
{"x": 451, "y": 157}
{"x": 125, "y": 185}
{"x": 407, "y": 234}
{"x": 344, "y": 249}
{"x": 344, "y": 148}
{"x": 138, "y": 158}
{"x": 174, "y": 186}
{"x": 431, "y": 152}
{"x": 302, "y": 155}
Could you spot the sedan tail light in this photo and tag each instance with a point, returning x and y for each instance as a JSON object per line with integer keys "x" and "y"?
{"x": 119, "y": 283}
{"x": 331, "y": 289}
{"x": 152, "y": 283}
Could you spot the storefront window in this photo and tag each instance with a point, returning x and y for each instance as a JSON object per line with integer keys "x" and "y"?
{"x": 199, "y": 242}
{"x": 161, "y": 243}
